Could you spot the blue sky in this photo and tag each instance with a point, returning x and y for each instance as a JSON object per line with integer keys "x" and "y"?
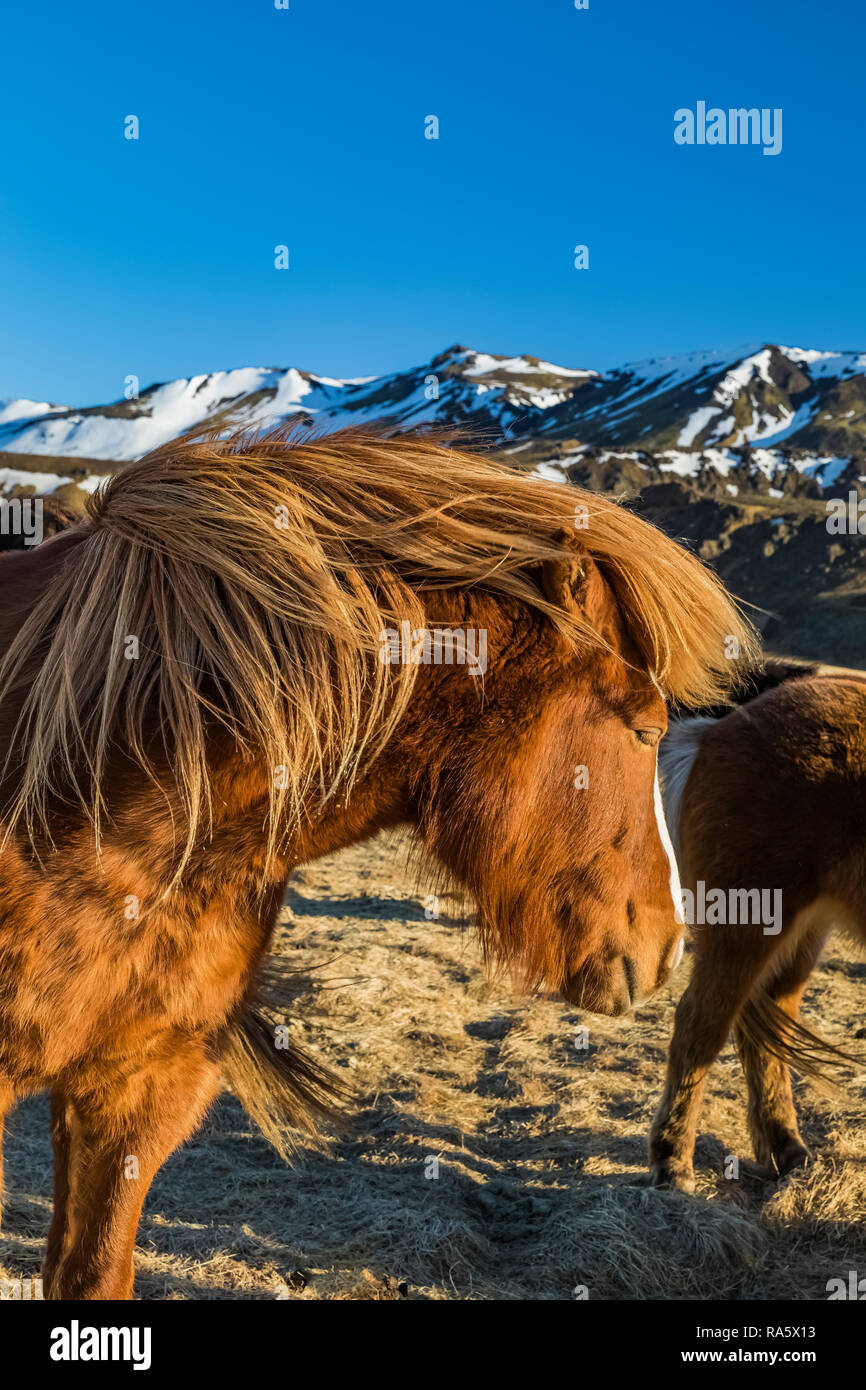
{"x": 306, "y": 127}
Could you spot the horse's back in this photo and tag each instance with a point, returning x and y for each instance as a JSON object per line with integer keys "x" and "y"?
{"x": 774, "y": 793}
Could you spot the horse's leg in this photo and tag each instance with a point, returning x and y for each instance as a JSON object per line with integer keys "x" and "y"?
{"x": 7, "y": 1097}
{"x": 772, "y": 1116}
{"x": 114, "y": 1133}
{"x": 58, "y": 1233}
{"x": 722, "y": 979}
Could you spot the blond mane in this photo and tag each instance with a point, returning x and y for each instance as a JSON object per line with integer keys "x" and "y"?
{"x": 257, "y": 573}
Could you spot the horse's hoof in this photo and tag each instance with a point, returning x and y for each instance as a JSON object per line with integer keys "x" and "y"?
{"x": 791, "y": 1157}
{"x": 661, "y": 1176}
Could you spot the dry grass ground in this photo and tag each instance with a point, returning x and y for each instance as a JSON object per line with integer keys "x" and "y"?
{"x": 539, "y": 1144}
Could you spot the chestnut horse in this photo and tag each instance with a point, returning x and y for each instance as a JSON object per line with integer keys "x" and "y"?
{"x": 767, "y": 806}
{"x": 196, "y": 696}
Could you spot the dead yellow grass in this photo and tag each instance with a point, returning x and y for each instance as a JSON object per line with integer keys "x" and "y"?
{"x": 539, "y": 1145}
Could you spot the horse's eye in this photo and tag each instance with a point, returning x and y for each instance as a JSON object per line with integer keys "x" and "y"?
{"x": 648, "y": 736}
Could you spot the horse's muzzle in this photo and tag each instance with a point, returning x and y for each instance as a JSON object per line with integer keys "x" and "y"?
{"x": 612, "y": 990}
{"x": 617, "y": 986}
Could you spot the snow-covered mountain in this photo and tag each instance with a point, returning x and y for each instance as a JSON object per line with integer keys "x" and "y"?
{"x": 498, "y": 394}
{"x": 771, "y": 396}
{"x": 691, "y": 409}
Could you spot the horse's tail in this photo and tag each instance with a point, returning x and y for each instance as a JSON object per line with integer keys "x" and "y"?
{"x": 767, "y": 1027}
{"x": 288, "y": 1094}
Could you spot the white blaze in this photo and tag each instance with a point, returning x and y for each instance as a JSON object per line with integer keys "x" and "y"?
{"x": 667, "y": 846}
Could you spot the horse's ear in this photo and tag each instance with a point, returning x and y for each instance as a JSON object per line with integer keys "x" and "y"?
{"x": 575, "y": 583}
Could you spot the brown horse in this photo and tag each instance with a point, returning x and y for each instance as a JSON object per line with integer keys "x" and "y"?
{"x": 206, "y": 683}
{"x": 767, "y": 806}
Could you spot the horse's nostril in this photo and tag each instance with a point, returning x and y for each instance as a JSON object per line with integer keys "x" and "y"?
{"x": 630, "y": 972}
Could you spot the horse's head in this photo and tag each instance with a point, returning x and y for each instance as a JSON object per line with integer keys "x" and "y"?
{"x": 304, "y": 582}
{"x": 542, "y": 796}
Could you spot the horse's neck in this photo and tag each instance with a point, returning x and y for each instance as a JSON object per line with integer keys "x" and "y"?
{"x": 377, "y": 802}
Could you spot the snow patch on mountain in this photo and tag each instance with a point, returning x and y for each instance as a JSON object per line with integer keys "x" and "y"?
{"x": 684, "y": 463}
{"x": 827, "y": 363}
{"x": 15, "y": 410}
{"x": 45, "y": 483}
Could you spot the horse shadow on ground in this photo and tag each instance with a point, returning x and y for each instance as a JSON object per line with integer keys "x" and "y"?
{"x": 374, "y": 908}
{"x": 509, "y": 1213}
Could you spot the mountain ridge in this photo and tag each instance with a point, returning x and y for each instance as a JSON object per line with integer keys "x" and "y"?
{"x": 806, "y": 401}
